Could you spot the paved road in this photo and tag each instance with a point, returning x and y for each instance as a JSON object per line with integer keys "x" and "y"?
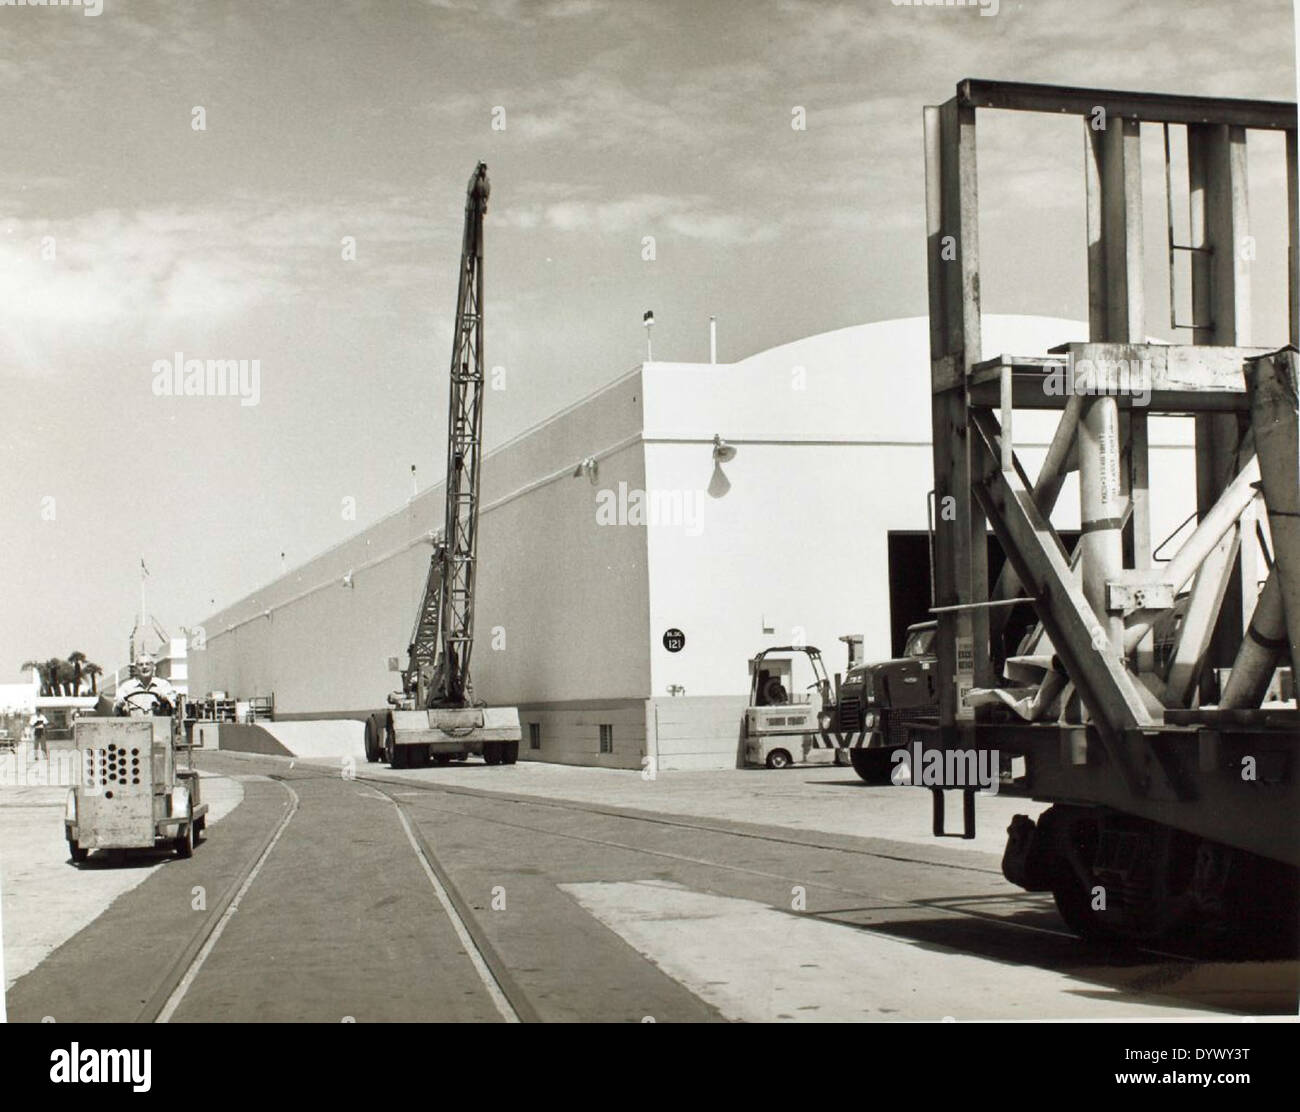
{"x": 586, "y": 912}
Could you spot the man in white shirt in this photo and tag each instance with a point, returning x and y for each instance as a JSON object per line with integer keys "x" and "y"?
{"x": 39, "y": 744}
{"x": 146, "y": 694}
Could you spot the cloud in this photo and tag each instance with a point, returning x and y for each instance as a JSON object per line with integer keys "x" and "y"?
{"x": 691, "y": 216}
{"x": 71, "y": 280}
{"x": 526, "y": 12}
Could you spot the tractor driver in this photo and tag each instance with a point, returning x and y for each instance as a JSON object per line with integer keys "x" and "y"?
{"x": 147, "y": 693}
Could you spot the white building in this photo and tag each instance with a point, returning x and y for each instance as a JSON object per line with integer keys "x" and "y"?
{"x": 817, "y": 527}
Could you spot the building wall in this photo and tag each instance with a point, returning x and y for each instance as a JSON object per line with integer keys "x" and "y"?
{"x": 561, "y": 606}
{"x": 570, "y": 733}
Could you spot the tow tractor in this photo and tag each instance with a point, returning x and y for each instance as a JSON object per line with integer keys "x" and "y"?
{"x": 782, "y": 729}
{"x": 435, "y": 717}
{"x": 137, "y": 788}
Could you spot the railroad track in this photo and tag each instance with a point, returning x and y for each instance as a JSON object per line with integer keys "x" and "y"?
{"x": 500, "y": 986}
{"x": 382, "y": 782}
{"x": 410, "y": 798}
{"x": 928, "y": 906}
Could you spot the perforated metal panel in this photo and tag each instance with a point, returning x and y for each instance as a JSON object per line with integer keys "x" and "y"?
{"x": 115, "y": 803}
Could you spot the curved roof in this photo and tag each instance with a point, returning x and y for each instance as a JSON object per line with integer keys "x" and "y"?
{"x": 867, "y": 382}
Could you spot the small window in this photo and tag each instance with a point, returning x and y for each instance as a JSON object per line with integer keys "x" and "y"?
{"x": 606, "y": 738}
{"x": 534, "y": 735}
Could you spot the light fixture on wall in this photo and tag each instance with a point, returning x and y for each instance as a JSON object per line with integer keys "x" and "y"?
{"x": 723, "y": 452}
{"x": 589, "y": 467}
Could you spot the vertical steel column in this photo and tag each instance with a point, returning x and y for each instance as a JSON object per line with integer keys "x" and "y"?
{"x": 1116, "y": 311}
{"x": 1293, "y": 247}
{"x": 961, "y": 550}
{"x": 1216, "y": 167}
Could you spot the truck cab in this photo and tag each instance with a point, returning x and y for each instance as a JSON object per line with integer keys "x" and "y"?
{"x": 883, "y": 704}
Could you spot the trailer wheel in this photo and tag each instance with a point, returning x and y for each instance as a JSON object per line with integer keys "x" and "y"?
{"x": 184, "y": 843}
{"x": 491, "y": 752}
{"x": 778, "y": 758}
{"x": 509, "y": 752}
{"x": 77, "y": 854}
{"x": 374, "y": 737}
{"x": 201, "y": 829}
{"x": 1074, "y": 902}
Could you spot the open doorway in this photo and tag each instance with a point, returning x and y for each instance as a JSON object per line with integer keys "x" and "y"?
{"x": 909, "y": 587}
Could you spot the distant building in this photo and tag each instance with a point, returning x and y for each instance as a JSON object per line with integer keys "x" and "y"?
{"x": 622, "y": 518}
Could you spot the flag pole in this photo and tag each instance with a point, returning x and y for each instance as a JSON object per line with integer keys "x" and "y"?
{"x": 144, "y": 610}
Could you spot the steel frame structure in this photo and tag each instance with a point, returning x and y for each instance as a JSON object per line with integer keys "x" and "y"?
{"x": 1126, "y": 737}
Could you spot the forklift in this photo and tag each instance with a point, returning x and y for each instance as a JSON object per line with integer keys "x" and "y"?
{"x": 783, "y": 727}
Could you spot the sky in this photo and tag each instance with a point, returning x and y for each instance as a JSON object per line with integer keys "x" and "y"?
{"x": 284, "y": 182}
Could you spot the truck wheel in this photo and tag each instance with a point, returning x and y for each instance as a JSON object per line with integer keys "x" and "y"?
{"x": 778, "y": 758}
{"x": 201, "y": 829}
{"x": 77, "y": 854}
{"x": 509, "y": 752}
{"x": 441, "y": 759}
{"x": 185, "y": 841}
{"x": 398, "y": 755}
{"x": 873, "y": 765}
{"x": 491, "y": 752}
{"x": 374, "y": 737}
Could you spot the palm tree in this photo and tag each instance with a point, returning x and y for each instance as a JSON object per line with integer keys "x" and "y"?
{"x": 76, "y": 659}
{"x": 43, "y": 670}
{"x": 93, "y": 671}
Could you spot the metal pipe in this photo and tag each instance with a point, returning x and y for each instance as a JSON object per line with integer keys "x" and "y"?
{"x": 1223, "y": 515}
{"x": 1196, "y": 549}
{"x": 991, "y": 604}
{"x": 1061, "y": 458}
{"x": 1101, "y": 509}
{"x": 1252, "y": 669}
{"x": 1271, "y": 382}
